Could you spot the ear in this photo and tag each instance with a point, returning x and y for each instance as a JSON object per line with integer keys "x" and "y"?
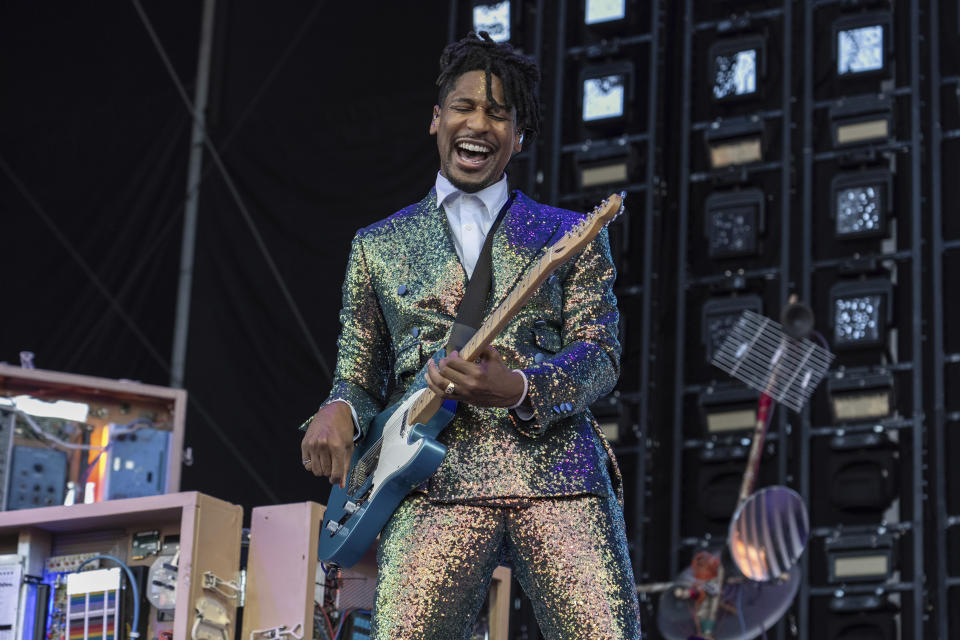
{"x": 518, "y": 142}
{"x": 433, "y": 121}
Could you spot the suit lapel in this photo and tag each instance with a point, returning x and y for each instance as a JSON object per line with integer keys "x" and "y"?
{"x": 435, "y": 259}
{"x": 519, "y": 240}
{"x": 525, "y": 230}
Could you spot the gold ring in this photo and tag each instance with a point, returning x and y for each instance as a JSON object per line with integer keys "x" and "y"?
{"x": 450, "y": 389}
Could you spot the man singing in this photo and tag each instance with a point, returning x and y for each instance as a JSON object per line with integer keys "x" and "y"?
{"x": 525, "y": 476}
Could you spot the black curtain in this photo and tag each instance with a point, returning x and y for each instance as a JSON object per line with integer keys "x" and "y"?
{"x": 93, "y": 141}
{"x": 320, "y": 110}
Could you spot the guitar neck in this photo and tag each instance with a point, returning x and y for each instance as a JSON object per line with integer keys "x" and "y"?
{"x": 429, "y": 402}
{"x": 503, "y": 314}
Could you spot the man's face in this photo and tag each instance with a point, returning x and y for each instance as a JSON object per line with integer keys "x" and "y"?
{"x": 475, "y": 138}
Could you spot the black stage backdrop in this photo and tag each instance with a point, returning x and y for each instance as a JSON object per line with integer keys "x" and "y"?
{"x": 93, "y": 145}
{"x": 321, "y": 111}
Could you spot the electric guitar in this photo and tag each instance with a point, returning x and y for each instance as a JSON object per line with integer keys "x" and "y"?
{"x": 400, "y": 450}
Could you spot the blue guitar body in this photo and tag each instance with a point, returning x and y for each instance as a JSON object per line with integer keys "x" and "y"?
{"x": 387, "y": 464}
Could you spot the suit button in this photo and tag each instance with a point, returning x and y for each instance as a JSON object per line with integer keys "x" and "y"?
{"x": 402, "y": 290}
{"x": 538, "y": 358}
{"x": 415, "y": 332}
{"x": 540, "y": 323}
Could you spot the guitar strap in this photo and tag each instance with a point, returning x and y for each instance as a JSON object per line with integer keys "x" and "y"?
{"x": 470, "y": 311}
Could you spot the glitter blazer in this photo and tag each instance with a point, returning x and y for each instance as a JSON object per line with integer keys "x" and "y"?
{"x": 402, "y": 288}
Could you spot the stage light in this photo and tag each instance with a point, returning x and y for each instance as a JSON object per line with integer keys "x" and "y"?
{"x": 861, "y": 119}
{"x": 861, "y": 313}
{"x": 711, "y": 484}
{"x": 736, "y": 67}
{"x": 858, "y": 624}
{"x": 605, "y": 93}
{"x": 860, "y": 558}
{"x": 860, "y": 43}
{"x": 860, "y": 204}
{"x": 734, "y": 222}
{"x": 605, "y": 173}
{"x": 607, "y": 411}
{"x": 728, "y": 408}
{"x": 735, "y": 141}
{"x": 603, "y": 98}
{"x": 857, "y": 480}
{"x": 860, "y": 395}
{"x": 718, "y": 317}
{"x": 599, "y": 11}
{"x": 603, "y": 165}
{"x": 494, "y": 18}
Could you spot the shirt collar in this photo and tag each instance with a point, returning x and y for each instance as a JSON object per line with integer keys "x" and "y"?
{"x": 492, "y": 197}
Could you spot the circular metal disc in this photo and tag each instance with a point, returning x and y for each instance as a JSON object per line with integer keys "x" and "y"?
{"x": 768, "y": 533}
{"x": 751, "y": 608}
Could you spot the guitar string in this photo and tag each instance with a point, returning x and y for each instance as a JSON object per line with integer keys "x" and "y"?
{"x": 424, "y": 399}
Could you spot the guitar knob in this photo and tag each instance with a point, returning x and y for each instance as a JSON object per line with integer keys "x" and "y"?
{"x": 350, "y": 507}
{"x": 333, "y": 527}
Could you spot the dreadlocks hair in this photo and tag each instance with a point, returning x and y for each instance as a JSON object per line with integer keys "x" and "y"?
{"x": 519, "y": 75}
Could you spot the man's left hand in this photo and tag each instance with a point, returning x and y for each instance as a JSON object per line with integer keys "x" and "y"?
{"x": 488, "y": 382}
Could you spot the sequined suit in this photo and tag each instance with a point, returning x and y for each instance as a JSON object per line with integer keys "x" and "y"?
{"x": 403, "y": 285}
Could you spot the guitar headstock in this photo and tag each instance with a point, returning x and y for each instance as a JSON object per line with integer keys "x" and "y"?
{"x": 609, "y": 209}
{"x": 587, "y": 229}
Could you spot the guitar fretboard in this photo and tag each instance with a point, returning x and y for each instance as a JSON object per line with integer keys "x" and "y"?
{"x": 429, "y": 402}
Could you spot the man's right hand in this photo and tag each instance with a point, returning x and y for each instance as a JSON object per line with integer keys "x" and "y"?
{"x": 328, "y": 443}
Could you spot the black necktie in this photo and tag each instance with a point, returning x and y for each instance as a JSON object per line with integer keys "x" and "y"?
{"x": 470, "y": 312}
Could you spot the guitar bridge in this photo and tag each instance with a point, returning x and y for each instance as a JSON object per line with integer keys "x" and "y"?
{"x": 364, "y": 467}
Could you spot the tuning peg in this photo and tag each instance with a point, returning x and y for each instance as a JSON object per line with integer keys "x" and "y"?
{"x": 623, "y": 199}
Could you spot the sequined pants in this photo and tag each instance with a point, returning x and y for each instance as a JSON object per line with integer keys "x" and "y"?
{"x": 569, "y": 554}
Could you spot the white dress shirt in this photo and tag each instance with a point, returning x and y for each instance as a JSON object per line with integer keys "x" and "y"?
{"x": 470, "y": 216}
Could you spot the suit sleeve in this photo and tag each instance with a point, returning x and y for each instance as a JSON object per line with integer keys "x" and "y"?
{"x": 588, "y": 364}
{"x": 363, "y": 349}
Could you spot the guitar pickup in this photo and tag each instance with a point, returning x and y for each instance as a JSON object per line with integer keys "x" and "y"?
{"x": 350, "y": 507}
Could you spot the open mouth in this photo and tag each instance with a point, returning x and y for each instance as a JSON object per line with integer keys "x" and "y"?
{"x": 473, "y": 154}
